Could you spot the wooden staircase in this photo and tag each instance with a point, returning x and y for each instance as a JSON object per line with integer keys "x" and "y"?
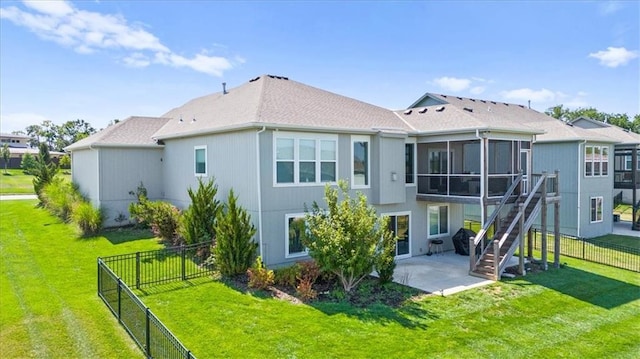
{"x": 489, "y": 255}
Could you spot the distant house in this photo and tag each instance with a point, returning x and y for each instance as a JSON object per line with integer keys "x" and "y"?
{"x": 626, "y": 162}
{"x": 18, "y": 146}
{"x": 277, "y": 142}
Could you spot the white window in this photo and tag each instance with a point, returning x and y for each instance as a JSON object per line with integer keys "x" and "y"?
{"x": 596, "y": 209}
{"x": 596, "y": 161}
{"x": 295, "y": 232}
{"x": 305, "y": 159}
{"x": 200, "y": 161}
{"x": 360, "y": 172}
{"x": 400, "y": 224}
{"x": 438, "y": 220}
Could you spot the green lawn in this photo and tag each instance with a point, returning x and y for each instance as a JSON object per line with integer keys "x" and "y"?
{"x": 49, "y": 306}
{"x": 16, "y": 182}
{"x": 50, "y": 309}
{"x": 627, "y": 241}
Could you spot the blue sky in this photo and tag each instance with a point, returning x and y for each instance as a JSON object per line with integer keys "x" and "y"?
{"x": 105, "y": 60}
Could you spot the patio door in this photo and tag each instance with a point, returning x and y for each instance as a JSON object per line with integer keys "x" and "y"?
{"x": 399, "y": 225}
{"x": 525, "y": 167}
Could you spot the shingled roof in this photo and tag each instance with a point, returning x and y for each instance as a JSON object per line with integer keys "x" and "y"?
{"x": 131, "y": 132}
{"x": 617, "y": 133}
{"x": 493, "y": 115}
{"x": 275, "y": 101}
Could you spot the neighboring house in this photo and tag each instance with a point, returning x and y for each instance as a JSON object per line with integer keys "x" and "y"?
{"x": 582, "y": 158}
{"x": 626, "y": 162}
{"x": 278, "y": 142}
{"x": 19, "y": 145}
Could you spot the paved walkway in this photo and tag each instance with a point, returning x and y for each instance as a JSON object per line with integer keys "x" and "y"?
{"x": 624, "y": 228}
{"x": 12, "y": 197}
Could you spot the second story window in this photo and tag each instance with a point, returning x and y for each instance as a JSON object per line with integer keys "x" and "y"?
{"x": 360, "y": 164}
{"x": 409, "y": 162}
{"x": 305, "y": 159}
{"x": 596, "y": 161}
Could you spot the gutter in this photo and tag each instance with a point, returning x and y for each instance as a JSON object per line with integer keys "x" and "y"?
{"x": 264, "y": 128}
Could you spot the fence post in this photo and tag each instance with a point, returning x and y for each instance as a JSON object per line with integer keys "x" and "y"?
{"x": 99, "y": 282}
{"x": 148, "y": 334}
{"x": 137, "y": 270}
{"x": 583, "y": 248}
{"x": 182, "y": 255}
{"x": 119, "y": 300}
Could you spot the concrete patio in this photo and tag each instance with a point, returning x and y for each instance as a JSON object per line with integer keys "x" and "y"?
{"x": 624, "y": 228}
{"x": 443, "y": 274}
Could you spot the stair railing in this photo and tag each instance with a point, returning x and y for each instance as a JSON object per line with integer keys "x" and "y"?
{"x": 480, "y": 236}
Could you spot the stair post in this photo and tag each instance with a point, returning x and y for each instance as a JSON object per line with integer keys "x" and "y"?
{"x": 496, "y": 259}
{"x": 521, "y": 268}
{"x": 543, "y": 218}
{"x": 472, "y": 254}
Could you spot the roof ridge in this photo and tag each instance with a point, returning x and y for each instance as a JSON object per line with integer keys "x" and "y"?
{"x": 260, "y": 106}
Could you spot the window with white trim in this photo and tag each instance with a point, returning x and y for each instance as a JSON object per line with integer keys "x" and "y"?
{"x": 438, "y": 220}
{"x": 410, "y": 162}
{"x": 295, "y": 232}
{"x": 596, "y": 209}
{"x": 596, "y": 161}
{"x": 305, "y": 159}
{"x": 360, "y": 164}
{"x": 200, "y": 160}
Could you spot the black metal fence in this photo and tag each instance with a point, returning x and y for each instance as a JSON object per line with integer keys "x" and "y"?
{"x": 601, "y": 252}
{"x": 146, "y": 268}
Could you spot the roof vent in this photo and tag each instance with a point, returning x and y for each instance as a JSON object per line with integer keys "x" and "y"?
{"x": 224, "y": 88}
{"x": 445, "y": 96}
{"x": 483, "y": 101}
{"x": 489, "y": 108}
{"x": 506, "y": 104}
{"x": 440, "y": 109}
{"x": 472, "y": 100}
{"x": 194, "y": 120}
{"x": 255, "y": 79}
{"x": 493, "y": 102}
{"x": 278, "y": 77}
{"x": 468, "y": 109}
{"x": 459, "y": 98}
{"x": 180, "y": 120}
{"x": 408, "y": 112}
{"x": 423, "y": 110}
{"x": 521, "y": 106}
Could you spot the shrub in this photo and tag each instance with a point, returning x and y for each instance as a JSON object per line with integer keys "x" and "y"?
{"x": 65, "y": 162}
{"x": 198, "y": 221}
{"x": 287, "y": 276}
{"x": 259, "y": 276}
{"x": 347, "y": 238}
{"x": 305, "y": 290}
{"x": 234, "y": 249}
{"x": 59, "y": 197}
{"x": 28, "y": 163}
{"x": 44, "y": 172}
{"x": 162, "y": 217}
{"x": 88, "y": 218}
{"x": 309, "y": 273}
{"x": 385, "y": 260}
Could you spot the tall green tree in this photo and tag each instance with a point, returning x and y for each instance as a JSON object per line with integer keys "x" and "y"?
{"x": 348, "y": 237}
{"x": 44, "y": 172}
{"x": 198, "y": 221}
{"x": 234, "y": 250}
{"x": 6, "y": 155}
{"x": 619, "y": 119}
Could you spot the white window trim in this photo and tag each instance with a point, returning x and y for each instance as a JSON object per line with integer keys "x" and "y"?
{"x": 296, "y": 137}
{"x": 440, "y": 235}
{"x": 406, "y": 213}
{"x": 366, "y": 139}
{"x": 601, "y": 209}
{"x": 305, "y": 253}
{"x": 593, "y": 161}
{"x": 206, "y": 164}
{"x": 412, "y": 141}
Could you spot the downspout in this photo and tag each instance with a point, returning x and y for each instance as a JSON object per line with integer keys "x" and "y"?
{"x": 483, "y": 215}
{"x": 98, "y": 194}
{"x": 580, "y": 145}
{"x": 259, "y": 186}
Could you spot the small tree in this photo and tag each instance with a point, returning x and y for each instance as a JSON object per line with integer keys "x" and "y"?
{"x": 235, "y": 249}
{"x": 65, "y": 162}
{"x": 6, "y": 155}
{"x": 348, "y": 237}
{"x": 28, "y": 163}
{"x": 198, "y": 221}
{"x": 44, "y": 172}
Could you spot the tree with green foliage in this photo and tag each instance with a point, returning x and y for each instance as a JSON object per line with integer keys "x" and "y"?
{"x": 28, "y": 163}
{"x": 65, "y": 162}
{"x": 618, "y": 119}
{"x": 198, "y": 221}
{"x": 348, "y": 238}
{"x": 234, "y": 250}
{"x": 6, "y": 156}
{"x": 44, "y": 172}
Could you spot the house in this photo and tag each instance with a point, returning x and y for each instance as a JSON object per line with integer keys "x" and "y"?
{"x": 278, "y": 142}
{"x": 19, "y": 146}
{"x": 626, "y": 162}
{"x": 581, "y": 156}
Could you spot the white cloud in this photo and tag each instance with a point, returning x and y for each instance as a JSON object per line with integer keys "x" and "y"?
{"x": 88, "y": 32}
{"x": 614, "y": 56}
{"x": 609, "y": 7}
{"x": 19, "y": 121}
{"x": 477, "y": 90}
{"x": 525, "y": 94}
{"x": 452, "y": 83}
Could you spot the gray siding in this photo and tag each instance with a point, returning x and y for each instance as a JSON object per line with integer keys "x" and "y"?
{"x": 121, "y": 171}
{"x": 387, "y": 160}
{"x": 84, "y": 173}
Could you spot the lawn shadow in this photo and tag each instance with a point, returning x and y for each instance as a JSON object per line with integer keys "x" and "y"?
{"x": 172, "y": 286}
{"x": 124, "y": 234}
{"x": 586, "y": 286}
